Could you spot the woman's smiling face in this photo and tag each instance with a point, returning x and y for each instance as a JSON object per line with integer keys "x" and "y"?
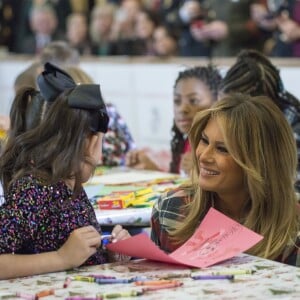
{"x": 218, "y": 171}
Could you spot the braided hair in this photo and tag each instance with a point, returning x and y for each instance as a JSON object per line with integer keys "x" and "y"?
{"x": 254, "y": 74}
{"x": 211, "y": 77}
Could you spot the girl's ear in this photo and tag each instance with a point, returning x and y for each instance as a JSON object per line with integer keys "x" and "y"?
{"x": 92, "y": 144}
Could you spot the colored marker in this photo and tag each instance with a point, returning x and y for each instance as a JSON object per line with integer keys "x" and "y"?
{"x": 233, "y": 272}
{"x": 212, "y": 277}
{"x": 120, "y": 295}
{"x": 106, "y": 236}
{"x": 111, "y": 280}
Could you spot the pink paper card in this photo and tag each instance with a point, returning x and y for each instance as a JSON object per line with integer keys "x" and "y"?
{"x": 216, "y": 239}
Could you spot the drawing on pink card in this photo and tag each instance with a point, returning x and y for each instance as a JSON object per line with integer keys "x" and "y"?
{"x": 216, "y": 239}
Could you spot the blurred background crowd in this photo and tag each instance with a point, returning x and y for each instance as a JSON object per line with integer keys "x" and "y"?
{"x": 151, "y": 27}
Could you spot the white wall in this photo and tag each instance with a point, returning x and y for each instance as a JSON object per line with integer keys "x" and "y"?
{"x": 142, "y": 91}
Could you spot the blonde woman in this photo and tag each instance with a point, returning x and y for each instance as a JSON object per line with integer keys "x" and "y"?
{"x": 245, "y": 162}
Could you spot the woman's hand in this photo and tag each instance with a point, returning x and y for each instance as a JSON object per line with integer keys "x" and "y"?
{"x": 118, "y": 234}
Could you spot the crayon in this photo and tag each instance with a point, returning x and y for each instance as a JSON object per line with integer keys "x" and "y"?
{"x": 26, "y": 296}
{"x": 44, "y": 293}
{"x": 174, "y": 275}
{"x": 212, "y": 277}
{"x": 67, "y": 282}
{"x": 120, "y": 295}
{"x": 84, "y": 278}
{"x": 101, "y": 276}
{"x": 111, "y": 280}
{"x": 163, "y": 286}
{"x": 233, "y": 272}
{"x": 154, "y": 282}
{"x": 140, "y": 278}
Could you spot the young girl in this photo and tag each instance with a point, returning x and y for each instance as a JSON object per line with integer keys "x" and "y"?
{"x": 245, "y": 163}
{"x": 47, "y": 222}
{"x": 195, "y": 89}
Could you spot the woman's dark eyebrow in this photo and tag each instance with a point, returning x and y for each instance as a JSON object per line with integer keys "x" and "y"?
{"x": 219, "y": 143}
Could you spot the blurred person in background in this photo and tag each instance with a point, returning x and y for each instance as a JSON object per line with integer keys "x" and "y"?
{"x": 282, "y": 19}
{"x": 227, "y": 26}
{"x": 44, "y": 29}
{"x": 101, "y": 26}
{"x": 195, "y": 89}
{"x": 9, "y": 24}
{"x": 77, "y": 33}
{"x": 146, "y": 22}
{"x": 190, "y": 15}
{"x": 123, "y": 31}
{"x": 165, "y": 41}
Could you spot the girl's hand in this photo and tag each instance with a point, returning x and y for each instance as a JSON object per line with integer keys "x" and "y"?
{"x": 81, "y": 244}
{"x": 141, "y": 160}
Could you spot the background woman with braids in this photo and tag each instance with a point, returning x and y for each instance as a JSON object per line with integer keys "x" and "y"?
{"x": 195, "y": 89}
{"x": 254, "y": 74}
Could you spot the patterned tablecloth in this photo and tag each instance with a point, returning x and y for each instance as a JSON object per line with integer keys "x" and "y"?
{"x": 270, "y": 280}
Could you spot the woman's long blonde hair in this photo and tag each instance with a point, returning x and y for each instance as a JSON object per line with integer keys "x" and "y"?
{"x": 261, "y": 141}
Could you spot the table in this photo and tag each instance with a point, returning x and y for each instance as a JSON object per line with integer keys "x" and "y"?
{"x": 271, "y": 280}
{"x": 129, "y": 217}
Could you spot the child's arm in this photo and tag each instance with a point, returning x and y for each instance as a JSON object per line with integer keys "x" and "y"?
{"x": 147, "y": 159}
{"x": 81, "y": 244}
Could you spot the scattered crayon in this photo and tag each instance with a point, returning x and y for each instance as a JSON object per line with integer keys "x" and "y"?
{"x": 212, "y": 277}
{"x": 233, "y": 272}
{"x": 120, "y": 295}
{"x": 67, "y": 282}
{"x": 44, "y": 293}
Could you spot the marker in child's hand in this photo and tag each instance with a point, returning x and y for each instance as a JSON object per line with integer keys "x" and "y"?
{"x": 106, "y": 237}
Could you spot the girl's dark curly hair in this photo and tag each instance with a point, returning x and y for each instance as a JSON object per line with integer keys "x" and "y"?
{"x": 211, "y": 77}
